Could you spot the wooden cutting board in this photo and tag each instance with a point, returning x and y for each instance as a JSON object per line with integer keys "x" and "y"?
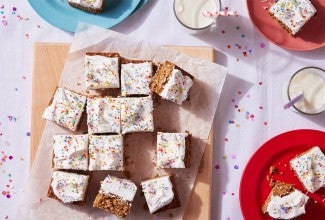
{"x": 49, "y": 59}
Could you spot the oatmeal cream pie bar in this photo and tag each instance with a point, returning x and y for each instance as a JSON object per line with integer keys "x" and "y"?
{"x": 68, "y": 187}
{"x": 70, "y": 152}
{"x": 115, "y": 196}
{"x": 102, "y": 70}
{"x": 137, "y": 114}
{"x": 66, "y": 108}
{"x": 93, "y": 6}
{"x": 106, "y": 152}
{"x": 285, "y": 202}
{"x": 103, "y": 115}
{"x": 135, "y": 77}
{"x": 310, "y": 168}
{"x": 160, "y": 194}
{"x": 171, "y": 82}
{"x": 292, "y": 15}
{"x": 173, "y": 150}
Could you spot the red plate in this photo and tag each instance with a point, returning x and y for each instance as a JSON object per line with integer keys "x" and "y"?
{"x": 312, "y": 36}
{"x": 278, "y": 151}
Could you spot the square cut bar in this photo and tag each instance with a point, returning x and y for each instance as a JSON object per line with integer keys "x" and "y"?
{"x": 285, "y": 202}
{"x": 171, "y": 82}
{"x": 102, "y": 70}
{"x": 160, "y": 194}
{"x": 93, "y": 6}
{"x": 68, "y": 187}
{"x": 116, "y": 196}
{"x": 137, "y": 114}
{"x": 106, "y": 152}
{"x": 173, "y": 150}
{"x": 135, "y": 77}
{"x": 292, "y": 15}
{"x": 70, "y": 152}
{"x": 103, "y": 115}
{"x": 310, "y": 168}
{"x": 66, "y": 108}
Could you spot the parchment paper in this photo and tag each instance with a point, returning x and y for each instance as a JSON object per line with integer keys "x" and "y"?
{"x": 195, "y": 116}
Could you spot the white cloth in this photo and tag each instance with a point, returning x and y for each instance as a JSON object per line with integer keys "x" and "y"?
{"x": 156, "y": 23}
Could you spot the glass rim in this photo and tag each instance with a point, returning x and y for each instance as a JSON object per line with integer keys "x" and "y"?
{"x": 298, "y": 71}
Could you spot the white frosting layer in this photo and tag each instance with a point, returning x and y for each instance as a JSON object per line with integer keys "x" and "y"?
{"x": 177, "y": 87}
{"x": 191, "y": 12}
{"x": 158, "y": 192}
{"x": 136, "y": 114}
{"x": 103, "y": 115}
{"x": 310, "y": 169}
{"x": 69, "y": 187}
{"x": 312, "y": 85}
{"x": 66, "y": 108}
{"x": 70, "y": 152}
{"x": 102, "y": 72}
{"x": 105, "y": 152}
{"x": 96, "y": 4}
{"x": 287, "y": 207}
{"x": 293, "y": 13}
{"x": 171, "y": 150}
{"x": 135, "y": 78}
{"x": 123, "y": 188}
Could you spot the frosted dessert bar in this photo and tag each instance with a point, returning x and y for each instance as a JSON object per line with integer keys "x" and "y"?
{"x": 103, "y": 115}
{"x": 66, "y": 108}
{"x": 70, "y": 152}
{"x": 310, "y": 168}
{"x": 68, "y": 187}
{"x": 93, "y": 6}
{"x": 292, "y": 15}
{"x": 171, "y": 82}
{"x": 160, "y": 194}
{"x": 137, "y": 114}
{"x": 102, "y": 70}
{"x": 135, "y": 77}
{"x": 106, "y": 152}
{"x": 285, "y": 202}
{"x": 173, "y": 150}
{"x": 116, "y": 196}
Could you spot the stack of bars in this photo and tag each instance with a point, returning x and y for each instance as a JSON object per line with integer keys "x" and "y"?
{"x": 75, "y": 156}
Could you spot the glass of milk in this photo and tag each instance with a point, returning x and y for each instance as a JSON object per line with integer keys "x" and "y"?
{"x": 190, "y": 13}
{"x": 309, "y": 81}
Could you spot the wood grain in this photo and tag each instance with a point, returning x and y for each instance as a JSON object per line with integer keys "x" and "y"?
{"x": 49, "y": 59}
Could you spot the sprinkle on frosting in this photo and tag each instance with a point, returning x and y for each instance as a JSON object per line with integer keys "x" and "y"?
{"x": 171, "y": 150}
{"x": 293, "y": 13}
{"x": 177, "y": 87}
{"x": 70, "y": 152}
{"x": 103, "y": 115}
{"x": 288, "y": 206}
{"x": 125, "y": 189}
{"x": 102, "y": 72}
{"x": 135, "y": 78}
{"x": 66, "y": 108}
{"x": 105, "y": 152}
{"x": 158, "y": 192}
{"x": 310, "y": 169}
{"x": 69, "y": 187}
{"x": 136, "y": 114}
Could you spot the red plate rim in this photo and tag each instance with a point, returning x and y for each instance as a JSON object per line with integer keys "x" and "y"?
{"x": 260, "y": 150}
{"x": 248, "y": 3}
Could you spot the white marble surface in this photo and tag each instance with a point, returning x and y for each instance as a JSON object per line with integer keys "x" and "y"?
{"x": 236, "y": 138}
